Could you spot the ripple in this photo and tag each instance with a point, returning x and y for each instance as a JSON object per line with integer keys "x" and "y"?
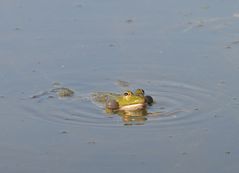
{"x": 176, "y": 104}
{"x": 181, "y": 104}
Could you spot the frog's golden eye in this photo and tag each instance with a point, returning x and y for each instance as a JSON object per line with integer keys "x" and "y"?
{"x": 142, "y": 91}
{"x": 126, "y": 94}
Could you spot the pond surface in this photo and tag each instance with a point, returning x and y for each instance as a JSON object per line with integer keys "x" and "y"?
{"x": 184, "y": 54}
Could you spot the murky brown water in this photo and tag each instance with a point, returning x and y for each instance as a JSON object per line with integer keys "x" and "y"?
{"x": 184, "y": 54}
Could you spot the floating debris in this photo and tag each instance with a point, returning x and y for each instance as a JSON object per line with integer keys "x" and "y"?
{"x": 65, "y": 92}
{"x": 122, "y": 83}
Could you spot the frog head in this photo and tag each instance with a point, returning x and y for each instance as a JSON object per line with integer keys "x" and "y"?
{"x": 130, "y": 101}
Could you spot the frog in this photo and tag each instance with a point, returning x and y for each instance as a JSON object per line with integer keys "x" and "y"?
{"x": 126, "y": 102}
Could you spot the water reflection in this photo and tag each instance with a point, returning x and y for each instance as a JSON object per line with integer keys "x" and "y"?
{"x": 137, "y": 117}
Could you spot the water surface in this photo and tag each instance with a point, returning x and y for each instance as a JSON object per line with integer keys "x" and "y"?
{"x": 184, "y": 54}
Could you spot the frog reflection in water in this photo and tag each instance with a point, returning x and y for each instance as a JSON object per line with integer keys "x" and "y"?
{"x": 130, "y": 106}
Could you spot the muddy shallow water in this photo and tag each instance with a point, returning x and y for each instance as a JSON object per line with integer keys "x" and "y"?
{"x": 183, "y": 54}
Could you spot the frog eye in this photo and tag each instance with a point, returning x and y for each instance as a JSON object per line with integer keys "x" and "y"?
{"x": 139, "y": 92}
{"x": 126, "y": 94}
{"x": 142, "y": 91}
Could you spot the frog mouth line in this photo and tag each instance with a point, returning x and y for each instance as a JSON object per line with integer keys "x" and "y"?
{"x": 132, "y": 107}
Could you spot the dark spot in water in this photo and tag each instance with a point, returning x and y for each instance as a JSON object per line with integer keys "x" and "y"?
{"x": 18, "y": 28}
{"x": 235, "y": 42}
{"x": 184, "y": 153}
{"x": 217, "y": 116}
{"x": 111, "y": 45}
{"x": 221, "y": 83}
{"x": 196, "y": 109}
{"x": 92, "y": 142}
{"x": 2, "y": 97}
{"x": 64, "y": 132}
{"x": 34, "y": 97}
{"x": 79, "y": 5}
{"x": 228, "y": 47}
{"x": 129, "y": 21}
{"x": 227, "y": 152}
{"x": 67, "y": 119}
{"x": 142, "y": 163}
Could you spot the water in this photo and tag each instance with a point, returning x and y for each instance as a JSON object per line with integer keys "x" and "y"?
{"x": 183, "y": 54}
{"x": 176, "y": 105}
